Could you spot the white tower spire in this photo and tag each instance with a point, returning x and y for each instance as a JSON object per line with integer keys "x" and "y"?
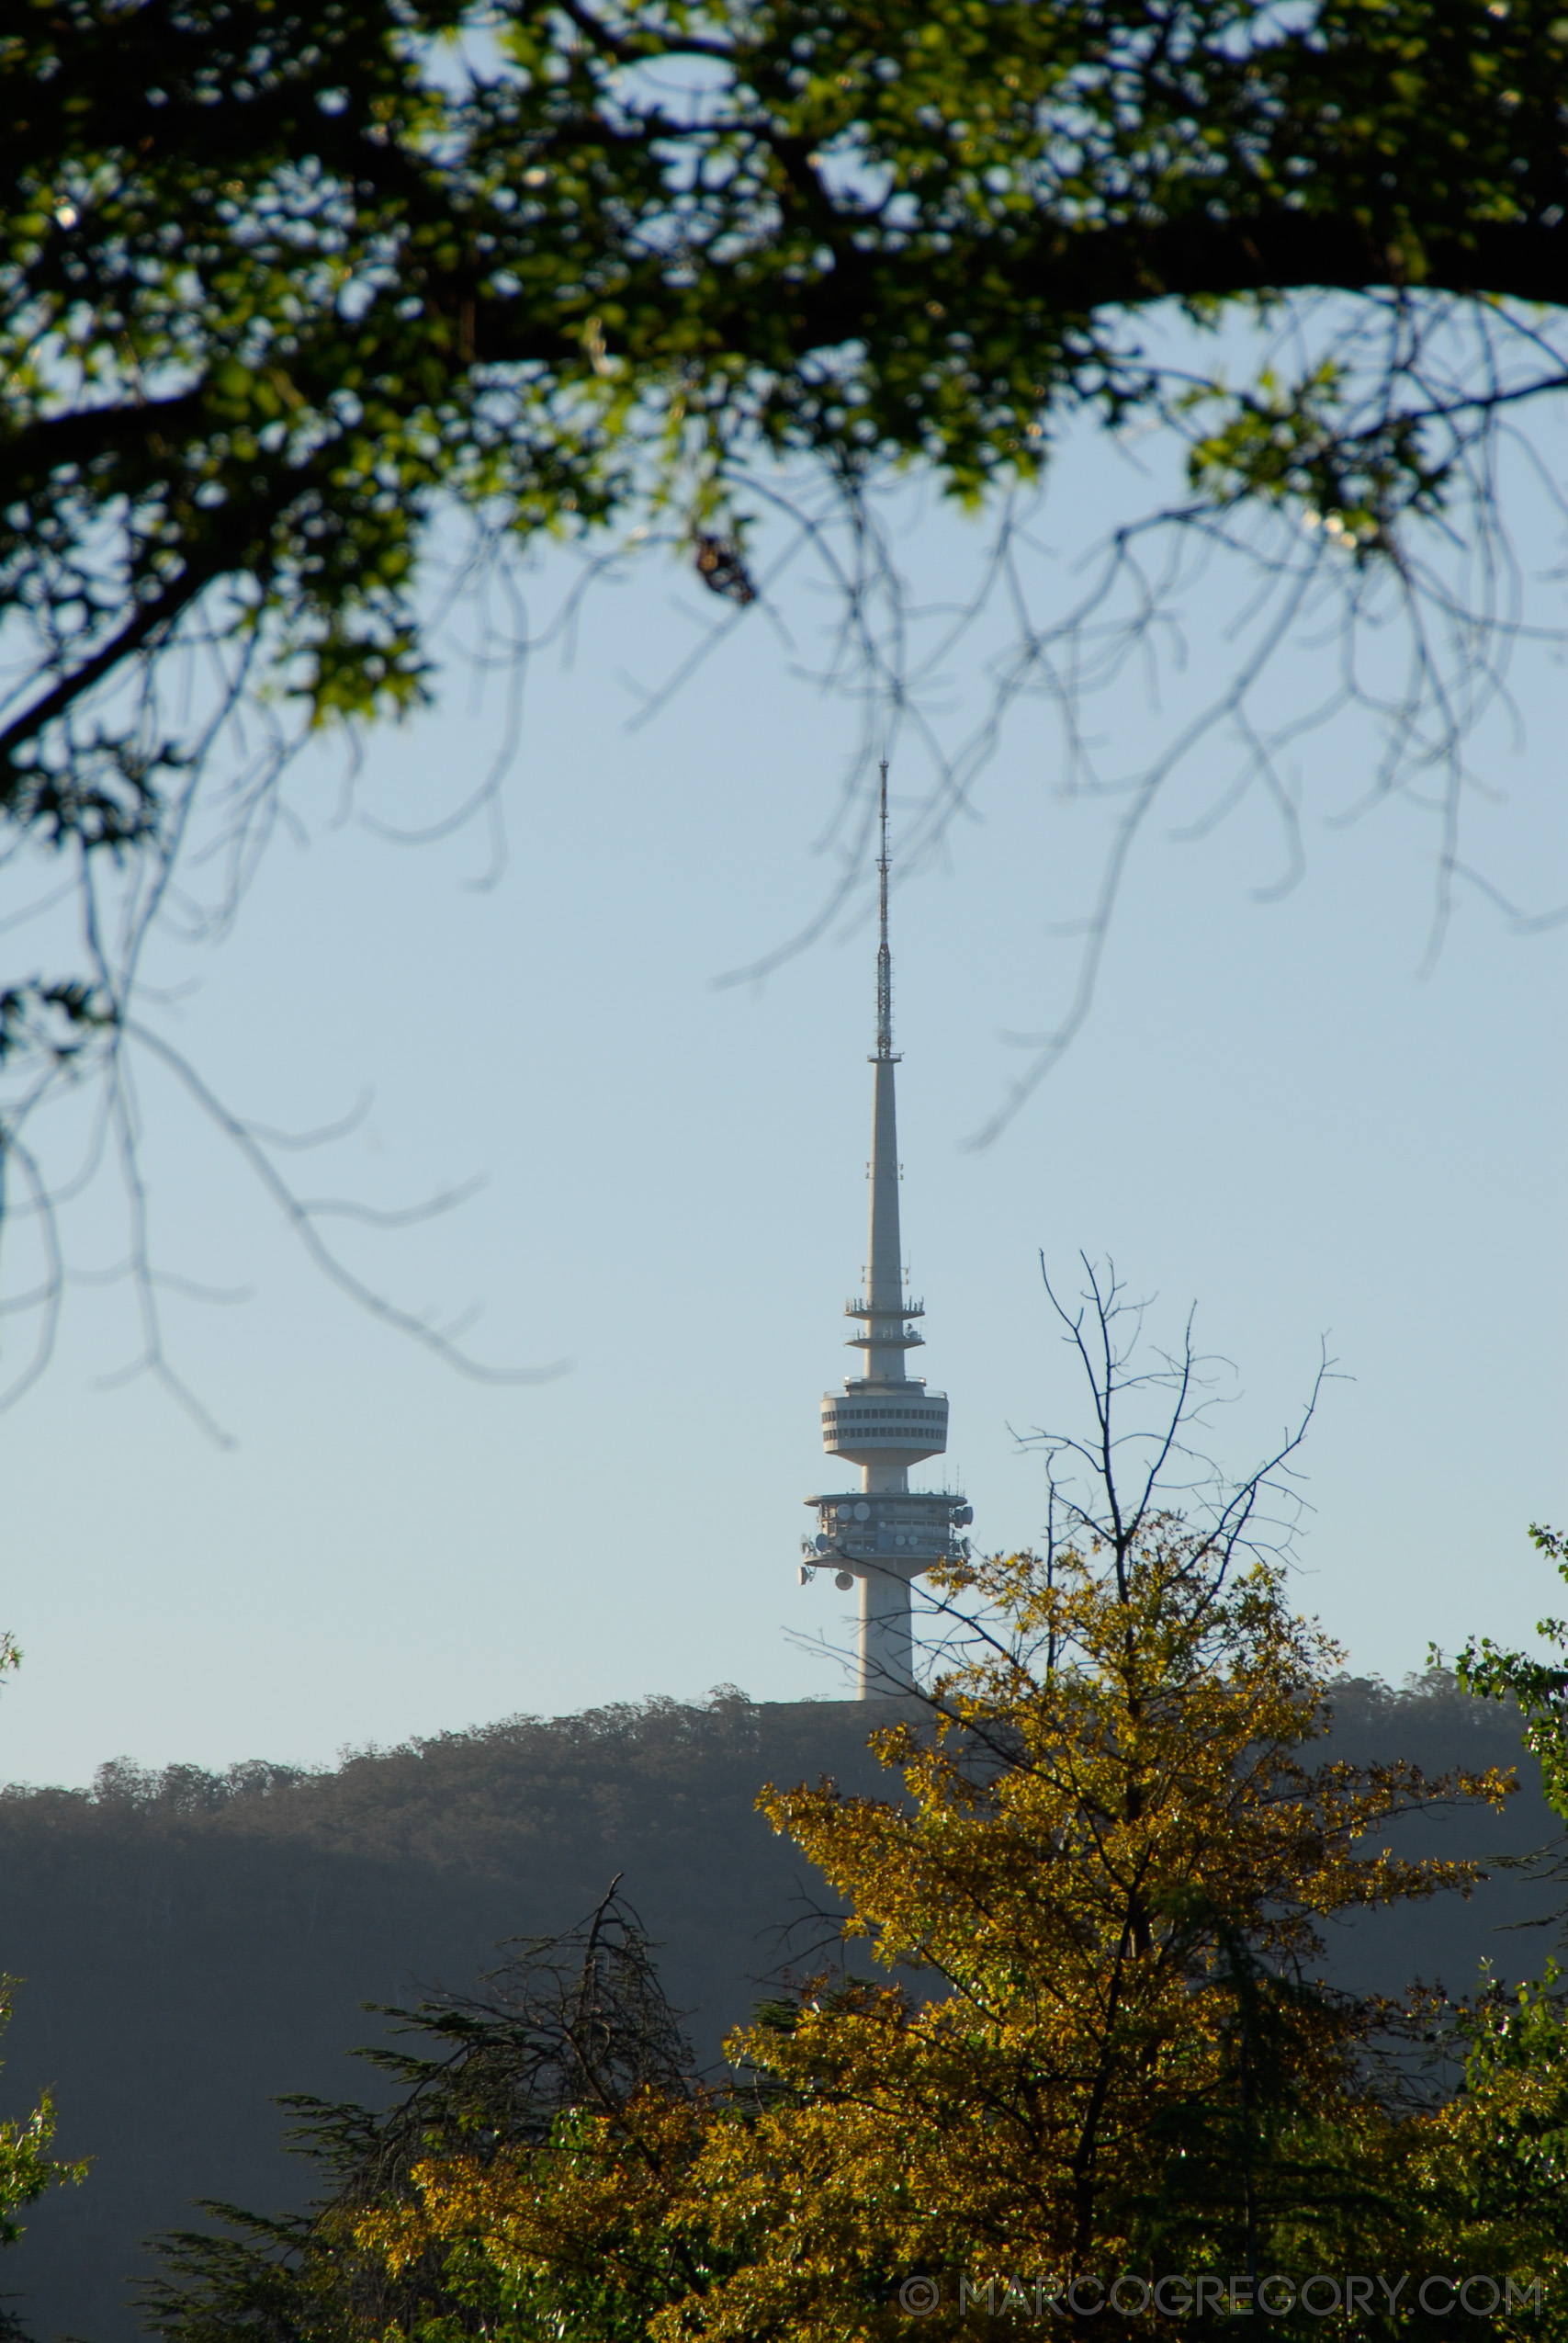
{"x": 883, "y": 957}
{"x": 886, "y": 1420}
{"x": 885, "y": 1338}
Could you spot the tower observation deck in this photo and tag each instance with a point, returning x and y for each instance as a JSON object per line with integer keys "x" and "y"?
{"x": 883, "y": 1535}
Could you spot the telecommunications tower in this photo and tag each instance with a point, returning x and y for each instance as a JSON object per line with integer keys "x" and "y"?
{"x": 884, "y": 1534}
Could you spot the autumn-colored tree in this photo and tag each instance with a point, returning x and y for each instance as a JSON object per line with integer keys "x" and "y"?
{"x": 1107, "y": 1880}
{"x": 588, "y": 2235}
{"x": 1100, "y": 2048}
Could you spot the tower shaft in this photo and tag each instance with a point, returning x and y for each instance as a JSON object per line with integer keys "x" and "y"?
{"x": 885, "y": 1341}
{"x": 886, "y": 1652}
{"x": 884, "y": 955}
{"x": 886, "y": 1419}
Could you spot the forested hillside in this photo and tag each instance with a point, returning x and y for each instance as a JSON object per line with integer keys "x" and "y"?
{"x": 194, "y": 1946}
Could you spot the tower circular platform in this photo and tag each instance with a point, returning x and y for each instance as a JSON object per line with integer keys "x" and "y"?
{"x": 884, "y": 1423}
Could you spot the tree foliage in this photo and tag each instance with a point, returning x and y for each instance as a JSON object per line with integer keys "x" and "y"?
{"x": 569, "y": 2031}
{"x": 1100, "y": 2042}
{"x": 27, "y": 2168}
{"x": 1494, "y": 2163}
{"x": 1539, "y": 1687}
{"x": 1095, "y": 2040}
{"x": 1104, "y": 2050}
{"x": 1097, "y": 2043}
{"x": 297, "y": 1895}
{"x": 283, "y": 287}
{"x": 278, "y": 279}
{"x": 1111, "y": 1873}
{"x": 1485, "y": 2175}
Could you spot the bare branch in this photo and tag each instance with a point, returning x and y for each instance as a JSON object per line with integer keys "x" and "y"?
{"x": 301, "y": 1217}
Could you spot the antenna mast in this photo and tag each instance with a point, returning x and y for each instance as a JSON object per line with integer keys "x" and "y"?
{"x": 883, "y": 957}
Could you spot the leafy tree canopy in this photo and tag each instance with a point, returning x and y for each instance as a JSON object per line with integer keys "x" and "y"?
{"x": 283, "y": 286}
{"x": 1110, "y": 2053}
{"x": 1539, "y": 1687}
{"x": 1112, "y": 1871}
{"x": 1099, "y": 2044}
{"x": 277, "y": 278}
{"x": 1109, "y": 2050}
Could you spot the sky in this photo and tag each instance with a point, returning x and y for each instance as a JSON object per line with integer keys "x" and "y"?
{"x": 1276, "y": 1114}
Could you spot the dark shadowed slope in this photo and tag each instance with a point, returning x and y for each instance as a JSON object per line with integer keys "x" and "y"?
{"x": 194, "y": 1946}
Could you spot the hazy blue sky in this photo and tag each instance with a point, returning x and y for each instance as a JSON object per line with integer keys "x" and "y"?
{"x": 1269, "y": 1115}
